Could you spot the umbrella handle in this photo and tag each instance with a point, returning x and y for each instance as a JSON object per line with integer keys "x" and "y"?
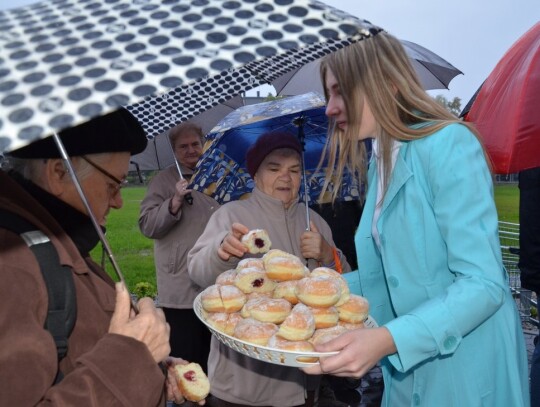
{"x": 97, "y": 226}
{"x": 188, "y": 198}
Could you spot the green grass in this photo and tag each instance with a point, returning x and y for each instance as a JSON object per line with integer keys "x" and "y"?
{"x": 507, "y": 201}
{"x": 134, "y": 252}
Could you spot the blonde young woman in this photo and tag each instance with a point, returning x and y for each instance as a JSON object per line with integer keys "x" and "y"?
{"x": 427, "y": 244}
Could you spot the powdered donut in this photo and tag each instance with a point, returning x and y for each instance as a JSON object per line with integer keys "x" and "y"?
{"x": 218, "y": 320}
{"x": 299, "y": 325}
{"x": 287, "y": 291}
{"x": 326, "y": 271}
{"x": 277, "y": 253}
{"x": 355, "y": 310}
{"x": 223, "y": 322}
{"x": 325, "y": 317}
{"x": 321, "y": 336}
{"x": 278, "y": 342}
{"x": 226, "y": 278}
{"x": 253, "y": 295}
{"x": 250, "y": 262}
{"x": 257, "y": 241}
{"x": 232, "y": 297}
{"x": 253, "y": 279}
{"x": 222, "y": 298}
{"x": 267, "y": 310}
{"x": 211, "y": 299}
{"x": 192, "y": 381}
{"x": 253, "y": 331}
{"x": 280, "y": 268}
{"x": 318, "y": 291}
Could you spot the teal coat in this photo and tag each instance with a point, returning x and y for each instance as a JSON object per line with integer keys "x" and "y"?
{"x": 438, "y": 283}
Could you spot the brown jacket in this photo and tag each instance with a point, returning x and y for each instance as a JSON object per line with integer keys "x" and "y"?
{"x": 234, "y": 377}
{"x": 174, "y": 236}
{"x": 100, "y": 369}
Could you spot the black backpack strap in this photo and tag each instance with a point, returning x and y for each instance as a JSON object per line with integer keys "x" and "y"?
{"x": 62, "y": 308}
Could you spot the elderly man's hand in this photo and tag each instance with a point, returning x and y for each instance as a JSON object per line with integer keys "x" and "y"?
{"x": 148, "y": 326}
{"x": 231, "y": 246}
{"x": 314, "y": 246}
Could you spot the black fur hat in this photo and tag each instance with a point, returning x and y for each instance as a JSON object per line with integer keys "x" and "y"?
{"x": 114, "y": 132}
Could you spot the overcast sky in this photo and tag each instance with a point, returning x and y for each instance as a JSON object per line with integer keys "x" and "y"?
{"x": 472, "y": 35}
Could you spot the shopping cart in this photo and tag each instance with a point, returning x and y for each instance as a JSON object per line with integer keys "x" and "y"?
{"x": 525, "y": 299}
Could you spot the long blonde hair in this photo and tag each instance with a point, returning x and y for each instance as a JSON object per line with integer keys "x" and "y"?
{"x": 377, "y": 70}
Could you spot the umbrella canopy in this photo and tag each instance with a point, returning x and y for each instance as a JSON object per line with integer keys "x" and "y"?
{"x": 434, "y": 72}
{"x": 221, "y": 172}
{"x": 64, "y": 62}
{"x": 506, "y": 108}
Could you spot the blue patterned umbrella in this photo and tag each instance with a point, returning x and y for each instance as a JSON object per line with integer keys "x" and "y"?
{"x": 221, "y": 171}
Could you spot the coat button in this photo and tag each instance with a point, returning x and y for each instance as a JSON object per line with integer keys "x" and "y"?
{"x": 393, "y": 281}
{"x": 450, "y": 342}
{"x": 416, "y": 399}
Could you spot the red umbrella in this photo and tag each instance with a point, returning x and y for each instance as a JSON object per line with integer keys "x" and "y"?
{"x": 506, "y": 109}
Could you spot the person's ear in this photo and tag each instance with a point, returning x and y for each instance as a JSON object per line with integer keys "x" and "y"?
{"x": 56, "y": 176}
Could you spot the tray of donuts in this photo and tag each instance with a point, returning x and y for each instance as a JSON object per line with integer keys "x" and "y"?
{"x": 275, "y": 310}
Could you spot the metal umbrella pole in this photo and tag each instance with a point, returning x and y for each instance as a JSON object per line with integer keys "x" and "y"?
{"x": 188, "y": 197}
{"x": 299, "y": 122}
{"x": 97, "y": 226}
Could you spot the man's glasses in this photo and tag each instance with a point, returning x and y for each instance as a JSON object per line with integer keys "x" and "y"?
{"x": 118, "y": 184}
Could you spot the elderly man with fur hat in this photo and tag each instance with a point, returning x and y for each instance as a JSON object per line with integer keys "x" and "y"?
{"x": 112, "y": 353}
{"x": 274, "y": 163}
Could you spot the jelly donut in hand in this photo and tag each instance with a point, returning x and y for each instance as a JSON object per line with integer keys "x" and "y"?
{"x": 192, "y": 381}
{"x": 257, "y": 241}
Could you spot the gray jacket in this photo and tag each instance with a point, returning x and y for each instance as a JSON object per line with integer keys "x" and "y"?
{"x": 234, "y": 377}
{"x": 174, "y": 236}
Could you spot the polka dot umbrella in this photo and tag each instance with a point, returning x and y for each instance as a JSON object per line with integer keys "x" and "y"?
{"x": 63, "y": 62}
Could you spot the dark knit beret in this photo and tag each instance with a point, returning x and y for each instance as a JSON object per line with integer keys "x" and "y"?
{"x": 114, "y": 132}
{"x": 267, "y": 143}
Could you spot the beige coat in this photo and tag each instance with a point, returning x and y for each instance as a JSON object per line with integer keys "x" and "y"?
{"x": 234, "y": 377}
{"x": 174, "y": 236}
{"x": 100, "y": 369}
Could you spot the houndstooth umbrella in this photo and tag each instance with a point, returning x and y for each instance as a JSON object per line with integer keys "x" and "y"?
{"x": 63, "y": 62}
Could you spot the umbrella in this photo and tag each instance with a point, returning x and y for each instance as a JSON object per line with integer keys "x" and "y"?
{"x": 64, "y": 62}
{"x": 505, "y": 108}
{"x": 434, "y": 72}
{"x": 221, "y": 172}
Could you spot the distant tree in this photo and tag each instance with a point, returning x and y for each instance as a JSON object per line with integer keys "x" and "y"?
{"x": 271, "y": 97}
{"x": 454, "y": 106}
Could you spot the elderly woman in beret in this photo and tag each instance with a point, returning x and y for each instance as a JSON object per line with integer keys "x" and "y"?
{"x": 274, "y": 163}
